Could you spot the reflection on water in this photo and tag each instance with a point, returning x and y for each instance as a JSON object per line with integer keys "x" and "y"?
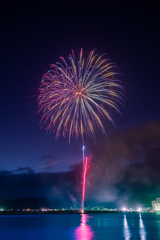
{"x": 102, "y": 222}
{"x": 84, "y": 231}
{"x": 127, "y": 234}
{"x": 142, "y": 228}
{"x": 106, "y": 226}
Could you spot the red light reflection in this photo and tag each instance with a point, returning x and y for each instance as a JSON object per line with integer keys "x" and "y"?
{"x": 84, "y": 231}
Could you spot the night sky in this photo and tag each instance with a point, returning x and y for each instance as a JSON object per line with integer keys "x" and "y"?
{"x": 32, "y": 163}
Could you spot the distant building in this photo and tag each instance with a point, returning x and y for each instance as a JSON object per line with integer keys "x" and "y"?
{"x": 156, "y": 204}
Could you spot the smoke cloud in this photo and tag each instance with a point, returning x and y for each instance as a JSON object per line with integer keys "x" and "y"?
{"x": 125, "y": 165}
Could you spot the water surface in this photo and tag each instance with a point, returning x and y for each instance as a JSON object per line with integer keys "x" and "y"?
{"x": 116, "y": 226}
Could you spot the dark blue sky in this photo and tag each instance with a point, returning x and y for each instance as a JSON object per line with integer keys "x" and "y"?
{"x": 33, "y": 36}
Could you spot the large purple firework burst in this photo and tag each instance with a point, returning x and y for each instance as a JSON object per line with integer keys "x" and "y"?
{"x": 74, "y": 97}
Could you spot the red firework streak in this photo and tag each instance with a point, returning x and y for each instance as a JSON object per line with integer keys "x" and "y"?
{"x": 84, "y": 182}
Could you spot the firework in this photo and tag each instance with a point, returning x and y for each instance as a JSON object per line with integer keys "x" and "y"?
{"x": 74, "y": 97}
{"x": 84, "y": 182}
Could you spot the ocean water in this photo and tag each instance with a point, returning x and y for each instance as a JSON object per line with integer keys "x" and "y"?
{"x": 80, "y": 226}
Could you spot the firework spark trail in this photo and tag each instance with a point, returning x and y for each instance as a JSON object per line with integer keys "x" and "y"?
{"x": 84, "y": 182}
{"x": 83, "y": 149}
{"x": 73, "y": 97}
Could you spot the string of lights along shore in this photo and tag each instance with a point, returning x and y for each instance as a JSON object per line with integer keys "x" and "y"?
{"x": 74, "y": 97}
